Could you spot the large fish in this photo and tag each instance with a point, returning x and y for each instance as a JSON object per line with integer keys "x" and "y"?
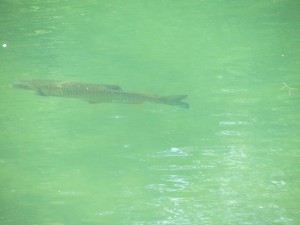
{"x": 95, "y": 93}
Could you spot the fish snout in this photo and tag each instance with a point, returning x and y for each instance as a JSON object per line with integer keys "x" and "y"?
{"x": 20, "y": 84}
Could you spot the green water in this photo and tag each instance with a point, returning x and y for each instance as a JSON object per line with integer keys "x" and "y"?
{"x": 232, "y": 158}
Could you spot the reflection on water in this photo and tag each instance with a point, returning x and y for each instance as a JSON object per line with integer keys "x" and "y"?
{"x": 170, "y": 183}
{"x": 173, "y": 151}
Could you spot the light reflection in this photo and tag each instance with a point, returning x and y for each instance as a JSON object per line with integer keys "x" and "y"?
{"x": 171, "y": 183}
{"x": 174, "y": 151}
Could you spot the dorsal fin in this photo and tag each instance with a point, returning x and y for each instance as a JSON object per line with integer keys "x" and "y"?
{"x": 113, "y": 87}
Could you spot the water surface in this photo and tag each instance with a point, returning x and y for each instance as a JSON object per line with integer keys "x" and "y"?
{"x": 232, "y": 158}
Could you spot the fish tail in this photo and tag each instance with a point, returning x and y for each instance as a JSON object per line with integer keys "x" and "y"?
{"x": 175, "y": 100}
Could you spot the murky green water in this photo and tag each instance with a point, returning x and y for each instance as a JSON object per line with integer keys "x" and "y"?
{"x": 232, "y": 158}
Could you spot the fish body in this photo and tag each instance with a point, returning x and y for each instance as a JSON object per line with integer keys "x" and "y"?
{"x": 95, "y": 93}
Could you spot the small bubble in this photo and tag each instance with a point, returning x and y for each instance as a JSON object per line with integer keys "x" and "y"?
{"x": 4, "y": 45}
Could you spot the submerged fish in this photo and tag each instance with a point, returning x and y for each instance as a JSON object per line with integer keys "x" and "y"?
{"x": 95, "y": 93}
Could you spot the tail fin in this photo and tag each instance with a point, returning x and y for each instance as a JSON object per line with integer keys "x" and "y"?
{"x": 175, "y": 100}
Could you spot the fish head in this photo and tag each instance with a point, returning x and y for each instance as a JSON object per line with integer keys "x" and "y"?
{"x": 24, "y": 85}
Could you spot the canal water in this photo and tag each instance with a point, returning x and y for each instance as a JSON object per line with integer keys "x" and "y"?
{"x": 231, "y": 158}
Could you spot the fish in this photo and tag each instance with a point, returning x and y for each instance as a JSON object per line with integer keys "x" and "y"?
{"x": 95, "y": 93}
